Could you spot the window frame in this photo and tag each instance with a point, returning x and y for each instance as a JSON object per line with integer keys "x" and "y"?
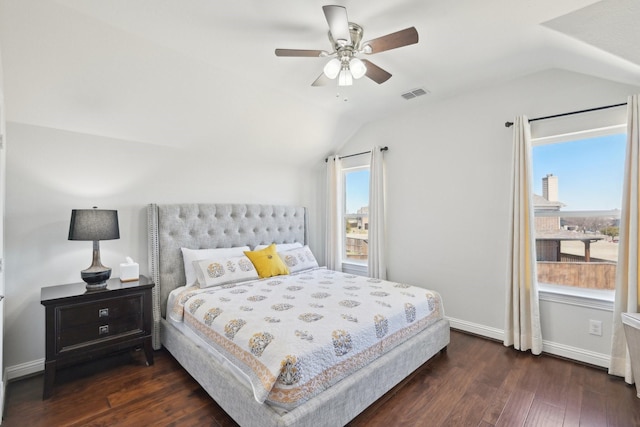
{"x": 601, "y": 299}
{"x": 351, "y": 265}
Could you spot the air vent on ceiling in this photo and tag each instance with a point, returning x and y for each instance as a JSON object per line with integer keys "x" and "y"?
{"x": 414, "y": 93}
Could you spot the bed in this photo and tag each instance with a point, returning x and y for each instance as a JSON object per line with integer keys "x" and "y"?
{"x": 198, "y": 226}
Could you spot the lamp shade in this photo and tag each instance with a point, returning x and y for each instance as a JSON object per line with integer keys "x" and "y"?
{"x": 332, "y": 68}
{"x": 94, "y": 224}
{"x": 345, "y": 78}
{"x": 357, "y": 67}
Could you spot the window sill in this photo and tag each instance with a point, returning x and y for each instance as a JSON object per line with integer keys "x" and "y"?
{"x": 355, "y": 268}
{"x": 590, "y": 298}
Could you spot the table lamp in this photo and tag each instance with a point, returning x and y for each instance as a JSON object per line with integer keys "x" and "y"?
{"x": 94, "y": 225}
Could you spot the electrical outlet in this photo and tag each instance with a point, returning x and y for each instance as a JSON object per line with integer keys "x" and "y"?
{"x": 595, "y": 327}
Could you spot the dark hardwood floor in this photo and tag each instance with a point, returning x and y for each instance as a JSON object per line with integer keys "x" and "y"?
{"x": 477, "y": 382}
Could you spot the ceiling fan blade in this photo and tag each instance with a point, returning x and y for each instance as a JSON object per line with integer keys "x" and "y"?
{"x": 322, "y": 80}
{"x": 392, "y": 41}
{"x": 376, "y": 73}
{"x": 300, "y": 52}
{"x": 338, "y": 23}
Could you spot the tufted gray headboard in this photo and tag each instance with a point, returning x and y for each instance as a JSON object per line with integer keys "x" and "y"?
{"x": 201, "y": 226}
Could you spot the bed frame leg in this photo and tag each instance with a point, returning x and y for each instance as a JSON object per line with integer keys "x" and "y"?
{"x": 444, "y": 350}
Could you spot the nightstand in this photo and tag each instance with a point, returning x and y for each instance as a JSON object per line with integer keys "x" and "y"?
{"x": 82, "y": 325}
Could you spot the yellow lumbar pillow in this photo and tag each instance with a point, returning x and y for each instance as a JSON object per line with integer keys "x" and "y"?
{"x": 267, "y": 262}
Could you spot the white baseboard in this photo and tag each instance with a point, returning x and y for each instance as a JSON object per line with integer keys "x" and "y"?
{"x": 475, "y": 328}
{"x": 574, "y": 353}
{"x": 23, "y": 369}
{"x": 557, "y": 349}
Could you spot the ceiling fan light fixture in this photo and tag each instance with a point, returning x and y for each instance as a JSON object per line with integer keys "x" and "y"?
{"x": 345, "y": 78}
{"x": 346, "y": 43}
{"x": 357, "y": 67}
{"x": 332, "y": 68}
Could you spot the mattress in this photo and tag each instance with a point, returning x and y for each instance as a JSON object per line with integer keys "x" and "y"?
{"x": 291, "y": 337}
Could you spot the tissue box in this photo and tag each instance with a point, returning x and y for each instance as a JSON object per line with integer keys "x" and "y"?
{"x": 129, "y": 272}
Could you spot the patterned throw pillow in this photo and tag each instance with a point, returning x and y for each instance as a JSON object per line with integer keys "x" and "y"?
{"x": 222, "y": 271}
{"x": 299, "y": 259}
{"x": 191, "y": 255}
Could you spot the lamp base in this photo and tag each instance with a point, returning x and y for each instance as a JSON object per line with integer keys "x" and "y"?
{"x": 96, "y": 279}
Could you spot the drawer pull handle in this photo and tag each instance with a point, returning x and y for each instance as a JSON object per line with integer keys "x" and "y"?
{"x": 104, "y": 329}
{"x": 103, "y": 312}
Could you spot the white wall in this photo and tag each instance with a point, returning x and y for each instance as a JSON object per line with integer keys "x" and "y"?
{"x": 50, "y": 172}
{"x": 448, "y": 174}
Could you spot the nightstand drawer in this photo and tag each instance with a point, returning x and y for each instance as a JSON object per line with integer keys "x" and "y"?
{"x": 89, "y": 333}
{"x": 104, "y": 311}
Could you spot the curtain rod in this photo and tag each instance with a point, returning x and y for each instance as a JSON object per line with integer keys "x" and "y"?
{"x": 509, "y": 124}
{"x": 357, "y": 154}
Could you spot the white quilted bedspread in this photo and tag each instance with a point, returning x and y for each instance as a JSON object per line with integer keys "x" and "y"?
{"x": 296, "y": 335}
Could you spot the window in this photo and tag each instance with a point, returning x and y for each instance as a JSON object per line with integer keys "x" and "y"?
{"x": 356, "y": 215}
{"x": 577, "y": 200}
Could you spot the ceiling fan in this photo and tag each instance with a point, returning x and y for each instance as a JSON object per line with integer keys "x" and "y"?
{"x": 346, "y": 42}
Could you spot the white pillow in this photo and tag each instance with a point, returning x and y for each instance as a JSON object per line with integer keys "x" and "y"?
{"x": 298, "y": 259}
{"x": 281, "y": 247}
{"x": 220, "y": 271}
{"x": 190, "y": 255}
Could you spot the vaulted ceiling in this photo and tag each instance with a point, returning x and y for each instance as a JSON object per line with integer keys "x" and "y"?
{"x": 196, "y": 73}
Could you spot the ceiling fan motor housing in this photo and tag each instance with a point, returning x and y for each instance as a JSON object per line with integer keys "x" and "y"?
{"x": 356, "y": 33}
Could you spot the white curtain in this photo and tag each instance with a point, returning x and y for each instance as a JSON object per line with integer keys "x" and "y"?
{"x": 627, "y": 276}
{"x": 3, "y": 163}
{"x": 377, "y": 264}
{"x": 334, "y": 198}
{"x": 522, "y": 320}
